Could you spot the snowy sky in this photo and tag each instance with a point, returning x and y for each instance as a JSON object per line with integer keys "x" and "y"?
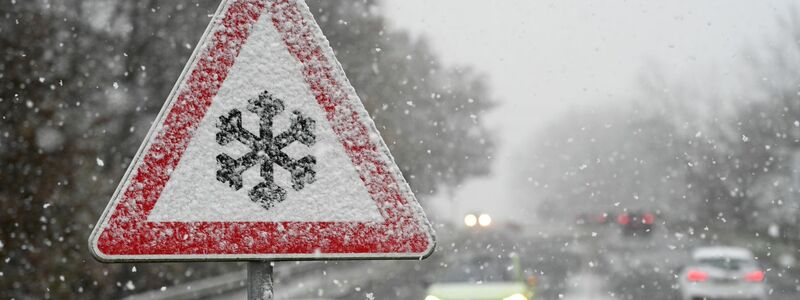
{"x": 543, "y": 57}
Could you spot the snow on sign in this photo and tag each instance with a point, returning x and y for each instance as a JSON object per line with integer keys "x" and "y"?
{"x": 262, "y": 151}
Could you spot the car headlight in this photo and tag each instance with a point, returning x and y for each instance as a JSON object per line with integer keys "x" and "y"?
{"x": 432, "y": 297}
{"x": 516, "y": 296}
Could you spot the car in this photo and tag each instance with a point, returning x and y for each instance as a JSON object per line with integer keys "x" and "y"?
{"x": 722, "y": 273}
{"x": 592, "y": 219}
{"x": 484, "y": 277}
{"x": 636, "y": 223}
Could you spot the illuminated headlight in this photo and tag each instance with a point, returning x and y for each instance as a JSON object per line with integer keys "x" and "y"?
{"x": 470, "y": 220}
{"x": 432, "y": 297}
{"x": 516, "y": 296}
{"x": 485, "y": 220}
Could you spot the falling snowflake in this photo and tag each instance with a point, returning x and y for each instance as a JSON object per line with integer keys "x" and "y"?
{"x": 266, "y": 149}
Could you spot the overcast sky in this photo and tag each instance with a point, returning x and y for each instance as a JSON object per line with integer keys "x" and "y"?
{"x": 544, "y": 57}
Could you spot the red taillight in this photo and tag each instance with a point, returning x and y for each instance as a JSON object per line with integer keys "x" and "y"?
{"x": 754, "y": 276}
{"x": 648, "y": 219}
{"x": 696, "y": 276}
{"x": 623, "y": 219}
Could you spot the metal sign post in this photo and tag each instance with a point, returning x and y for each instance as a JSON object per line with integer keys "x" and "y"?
{"x": 259, "y": 280}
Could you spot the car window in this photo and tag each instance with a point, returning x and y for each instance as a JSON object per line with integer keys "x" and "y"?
{"x": 726, "y": 263}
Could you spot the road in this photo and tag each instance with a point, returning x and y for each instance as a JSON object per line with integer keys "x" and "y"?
{"x": 578, "y": 263}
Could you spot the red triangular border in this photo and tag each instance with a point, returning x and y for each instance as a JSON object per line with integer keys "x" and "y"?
{"x": 123, "y": 233}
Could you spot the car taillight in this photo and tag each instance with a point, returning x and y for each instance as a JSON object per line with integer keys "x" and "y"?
{"x": 623, "y": 219}
{"x": 754, "y": 276}
{"x": 696, "y": 276}
{"x": 649, "y": 219}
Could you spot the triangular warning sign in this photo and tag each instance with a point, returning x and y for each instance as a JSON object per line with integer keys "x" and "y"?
{"x": 262, "y": 151}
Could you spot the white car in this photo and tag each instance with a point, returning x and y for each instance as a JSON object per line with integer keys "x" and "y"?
{"x": 722, "y": 273}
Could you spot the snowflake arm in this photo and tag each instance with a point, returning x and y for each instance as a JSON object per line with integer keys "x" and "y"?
{"x": 230, "y": 129}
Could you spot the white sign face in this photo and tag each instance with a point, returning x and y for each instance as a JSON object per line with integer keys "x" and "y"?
{"x": 262, "y": 151}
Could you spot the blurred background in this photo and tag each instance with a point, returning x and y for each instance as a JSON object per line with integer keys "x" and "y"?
{"x": 579, "y": 150}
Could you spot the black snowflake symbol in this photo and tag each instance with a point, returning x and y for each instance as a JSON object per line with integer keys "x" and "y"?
{"x": 265, "y": 149}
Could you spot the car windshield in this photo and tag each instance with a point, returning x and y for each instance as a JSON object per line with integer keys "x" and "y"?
{"x": 725, "y": 263}
{"x": 480, "y": 271}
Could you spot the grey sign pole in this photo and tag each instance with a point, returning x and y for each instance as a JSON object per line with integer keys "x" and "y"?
{"x": 259, "y": 280}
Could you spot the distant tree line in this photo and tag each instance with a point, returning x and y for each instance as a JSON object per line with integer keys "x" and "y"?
{"x": 720, "y": 167}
